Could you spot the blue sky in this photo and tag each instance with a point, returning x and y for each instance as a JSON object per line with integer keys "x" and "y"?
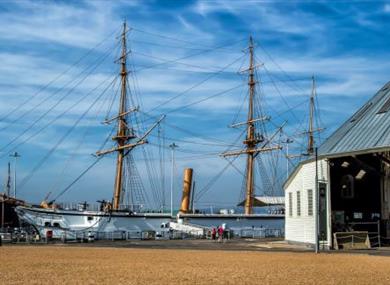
{"x": 343, "y": 43}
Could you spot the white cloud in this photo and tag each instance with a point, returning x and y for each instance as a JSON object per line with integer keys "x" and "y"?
{"x": 49, "y": 36}
{"x": 80, "y": 26}
{"x": 257, "y": 14}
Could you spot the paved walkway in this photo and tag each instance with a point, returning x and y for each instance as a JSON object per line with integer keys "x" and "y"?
{"x": 202, "y": 244}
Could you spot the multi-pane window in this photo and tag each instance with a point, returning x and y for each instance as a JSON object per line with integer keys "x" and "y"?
{"x": 290, "y": 204}
{"x": 310, "y": 202}
{"x": 298, "y": 203}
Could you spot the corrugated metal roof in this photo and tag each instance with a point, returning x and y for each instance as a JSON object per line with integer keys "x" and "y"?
{"x": 367, "y": 129}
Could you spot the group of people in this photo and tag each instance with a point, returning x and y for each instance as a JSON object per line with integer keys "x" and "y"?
{"x": 219, "y": 233}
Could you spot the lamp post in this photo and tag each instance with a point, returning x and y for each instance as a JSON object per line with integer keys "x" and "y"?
{"x": 287, "y": 142}
{"x": 172, "y": 146}
{"x": 15, "y": 155}
{"x": 317, "y": 208}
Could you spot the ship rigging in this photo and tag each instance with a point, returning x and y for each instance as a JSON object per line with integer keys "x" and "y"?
{"x": 253, "y": 138}
{"x": 128, "y": 191}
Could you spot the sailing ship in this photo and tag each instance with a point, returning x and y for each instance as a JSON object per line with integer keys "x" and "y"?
{"x": 111, "y": 217}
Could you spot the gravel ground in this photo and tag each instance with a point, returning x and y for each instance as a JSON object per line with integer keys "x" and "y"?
{"x": 101, "y": 265}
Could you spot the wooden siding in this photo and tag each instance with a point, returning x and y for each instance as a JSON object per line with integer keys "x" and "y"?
{"x": 301, "y": 228}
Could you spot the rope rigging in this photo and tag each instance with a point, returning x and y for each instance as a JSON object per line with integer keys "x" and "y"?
{"x": 153, "y": 159}
{"x": 187, "y": 131}
{"x": 220, "y": 173}
{"x": 43, "y": 160}
{"x": 176, "y": 60}
{"x": 61, "y": 99}
{"x": 170, "y": 61}
{"x": 57, "y": 183}
{"x": 51, "y": 122}
{"x": 196, "y": 84}
{"x": 97, "y": 159}
{"x": 55, "y": 79}
{"x": 192, "y": 43}
{"x": 290, "y": 79}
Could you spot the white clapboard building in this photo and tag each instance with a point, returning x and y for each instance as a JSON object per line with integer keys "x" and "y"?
{"x": 353, "y": 174}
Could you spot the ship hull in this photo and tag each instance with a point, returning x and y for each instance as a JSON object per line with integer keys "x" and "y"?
{"x": 90, "y": 221}
{"x": 71, "y": 222}
{"x": 235, "y": 221}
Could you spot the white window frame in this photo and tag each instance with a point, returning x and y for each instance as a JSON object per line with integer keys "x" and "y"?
{"x": 299, "y": 212}
{"x": 310, "y": 202}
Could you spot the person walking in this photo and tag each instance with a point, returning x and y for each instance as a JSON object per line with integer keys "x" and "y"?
{"x": 220, "y": 233}
{"x": 213, "y": 233}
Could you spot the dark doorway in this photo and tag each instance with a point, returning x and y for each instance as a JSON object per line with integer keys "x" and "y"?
{"x": 355, "y": 183}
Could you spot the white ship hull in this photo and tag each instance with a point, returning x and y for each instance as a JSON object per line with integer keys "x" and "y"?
{"x": 91, "y": 221}
{"x": 73, "y": 223}
{"x": 235, "y": 221}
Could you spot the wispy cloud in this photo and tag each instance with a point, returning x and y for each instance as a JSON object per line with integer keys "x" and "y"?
{"x": 70, "y": 25}
{"x": 343, "y": 44}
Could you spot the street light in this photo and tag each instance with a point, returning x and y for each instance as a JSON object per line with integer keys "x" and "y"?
{"x": 287, "y": 142}
{"x": 317, "y": 208}
{"x": 15, "y": 155}
{"x": 172, "y": 146}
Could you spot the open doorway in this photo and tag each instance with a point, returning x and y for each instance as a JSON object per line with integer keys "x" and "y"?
{"x": 356, "y": 184}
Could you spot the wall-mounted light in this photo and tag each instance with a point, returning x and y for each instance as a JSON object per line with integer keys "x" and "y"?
{"x": 360, "y": 174}
{"x": 345, "y": 164}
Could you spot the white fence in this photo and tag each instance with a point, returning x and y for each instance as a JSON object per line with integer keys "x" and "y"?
{"x": 258, "y": 233}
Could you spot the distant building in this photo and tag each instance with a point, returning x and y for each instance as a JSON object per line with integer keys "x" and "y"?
{"x": 353, "y": 169}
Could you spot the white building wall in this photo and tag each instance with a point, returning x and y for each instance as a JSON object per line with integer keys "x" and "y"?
{"x": 301, "y": 228}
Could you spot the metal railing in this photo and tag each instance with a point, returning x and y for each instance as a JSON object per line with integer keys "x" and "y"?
{"x": 259, "y": 233}
{"x": 84, "y": 206}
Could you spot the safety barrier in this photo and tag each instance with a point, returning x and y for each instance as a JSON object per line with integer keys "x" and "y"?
{"x": 351, "y": 240}
{"x": 258, "y": 233}
{"x": 373, "y": 230}
{"x": 379, "y": 241}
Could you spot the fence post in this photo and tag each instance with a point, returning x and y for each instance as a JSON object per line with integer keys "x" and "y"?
{"x": 379, "y": 234}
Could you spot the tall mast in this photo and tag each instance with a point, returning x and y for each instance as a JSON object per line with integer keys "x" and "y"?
{"x": 311, "y": 130}
{"x": 125, "y": 132}
{"x": 121, "y": 136}
{"x": 250, "y": 137}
